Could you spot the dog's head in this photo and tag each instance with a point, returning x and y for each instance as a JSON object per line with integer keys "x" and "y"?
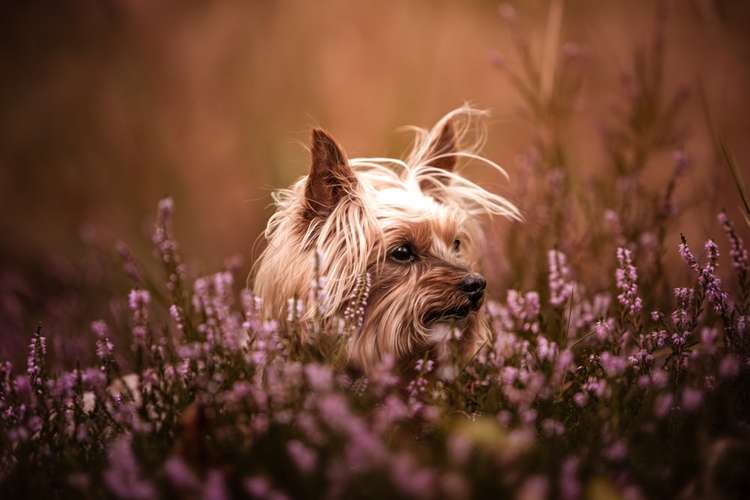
{"x": 412, "y": 227}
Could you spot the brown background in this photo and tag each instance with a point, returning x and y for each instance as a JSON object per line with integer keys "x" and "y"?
{"x": 107, "y": 106}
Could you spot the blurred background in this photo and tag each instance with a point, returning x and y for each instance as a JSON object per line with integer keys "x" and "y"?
{"x": 105, "y": 107}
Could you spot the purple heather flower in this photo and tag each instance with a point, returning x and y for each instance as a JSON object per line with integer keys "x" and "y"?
{"x": 524, "y": 309}
{"x": 648, "y": 240}
{"x": 738, "y": 253}
{"x": 257, "y": 486}
{"x": 681, "y": 161}
{"x": 611, "y": 364}
{"x": 123, "y": 478}
{"x": 354, "y": 314}
{"x": 93, "y": 378}
{"x": 176, "y": 313}
{"x": 528, "y": 416}
{"x": 710, "y": 282}
{"x": 682, "y": 317}
{"x": 581, "y": 399}
{"x": 561, "y": 285}
{"x": 712, "y": 252}
{"x": 596, "y": 386}
{"x": 627, "y": 283}
{"x": 459, "y": 448}
{"x": 741, "y": 325}
{"x": 533, "y": 488}
{"x": 546, "y": 350}
{"x": 392, "y": 410}
{"x": 565, "y": 360}
{"x": 507, "y": 12}
{"x": 139, "y": 335}
{"x": 128, "y": 261}
{"x": 454, "y": 485}
{"x": 553, "y": 427}
{"x": 411, "y": 479}
{"x": 34, "y": 424}
{"x": 617, "y": 451}
{"x": 35, "y": 362}
{"x": 687, "y": 255}
{"x": 138, "y": 301}
{"x": 509, "y": 374}
{"x": 604, "y": 329}
{"x": 166, "y": 208}
{"x": 306, "y": 459}
{"x": 659, "y": 378}
{"x": 570, "y": 486}
{"x": 663, "y": 404}
{"x": 319, "y": 376}
{"x": 180, "y": 474}
{"x": 22, "y": 385}
{"x": 99, "y": 328}
{"x": 691, "y": 398}
{"x": 708, "y": 339}
{"x": 215, "y": 487}
{"x": 611, "y": 217}
{"x": 729, "y": 366}
{"x": 104, "y": 347}
{"x": 167, "y": 248}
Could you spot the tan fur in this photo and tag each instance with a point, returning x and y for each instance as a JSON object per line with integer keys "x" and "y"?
{"x": 353, "y": 212}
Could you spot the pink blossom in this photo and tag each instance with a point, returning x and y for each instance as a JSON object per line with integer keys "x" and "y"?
{"x": 319, "y": 377}
{"x": 533, "y": 488}
{"x": 570, "y": 486}
{"x": 180, "y": 474}
{"x": 612, "y": 365}
{"x": 691, "y": 398}
{"x": 738, "y": 253}
{"x": 123, "y": 478}
{"x": 627, "y": 283}
{"x": 561, "y": 285}
{"x": 303, "y": 457}
{"x": 687, "y": 255}
{"x": 663, "y": 404}
{"x": 581, "y": 398}
{"x": 729, "y": 366}
{"x": 617, "y": 451}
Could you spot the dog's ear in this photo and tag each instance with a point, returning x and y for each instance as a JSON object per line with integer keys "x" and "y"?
{"x": 442, "y": 148}
{"x": 440, "y": 155}
{"x": 331, "y": 178}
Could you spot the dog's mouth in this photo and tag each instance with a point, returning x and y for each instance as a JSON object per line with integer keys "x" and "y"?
{"x": 452, "y": 314}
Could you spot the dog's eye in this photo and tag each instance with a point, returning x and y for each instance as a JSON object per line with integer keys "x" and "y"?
{"x": 402, "y": 254}
{"x": 456, "y": 245}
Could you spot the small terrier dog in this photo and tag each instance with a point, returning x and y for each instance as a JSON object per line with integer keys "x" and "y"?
{"x": 411, "y": 227}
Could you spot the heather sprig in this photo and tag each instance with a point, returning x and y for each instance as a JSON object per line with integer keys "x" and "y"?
{"x": 740, "y": 262}
{"x": 626, "y": 280}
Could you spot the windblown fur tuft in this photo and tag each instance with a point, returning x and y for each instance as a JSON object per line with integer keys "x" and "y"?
{"x": 380, "y": 202}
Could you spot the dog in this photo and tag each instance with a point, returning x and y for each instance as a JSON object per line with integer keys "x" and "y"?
{"x": 402, "y": 237}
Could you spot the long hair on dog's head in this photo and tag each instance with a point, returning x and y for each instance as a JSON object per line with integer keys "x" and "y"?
{"x": 412, "y": 226}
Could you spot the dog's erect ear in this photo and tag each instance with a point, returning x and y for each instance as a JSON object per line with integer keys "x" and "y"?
{"x": 442, "y": 147}
{"x": 440, "y": 156}
{"x": 330, "y": 179}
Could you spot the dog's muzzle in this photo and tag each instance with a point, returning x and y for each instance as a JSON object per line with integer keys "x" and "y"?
{"x": 471, "y": 289}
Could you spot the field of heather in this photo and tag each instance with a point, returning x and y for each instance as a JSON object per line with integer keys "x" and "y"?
{"x": 134, "y": 367}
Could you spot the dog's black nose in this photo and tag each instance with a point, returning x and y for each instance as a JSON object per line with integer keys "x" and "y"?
{"x": 473, "y": 286}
